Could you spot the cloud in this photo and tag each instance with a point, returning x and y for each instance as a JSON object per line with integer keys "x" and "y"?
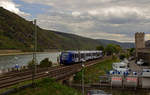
{"x": 11, "y": 6}
{"x": 109, "y": 19}
{"x": 76, "y": 13}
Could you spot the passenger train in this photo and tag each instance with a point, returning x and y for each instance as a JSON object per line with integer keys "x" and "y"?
{"x": 71, "y": 57}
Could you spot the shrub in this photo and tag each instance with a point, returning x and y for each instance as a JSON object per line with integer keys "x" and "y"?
{"x": 122, "y": 56}
{"x": 114, "y": 57}
{"x": 45, "y": 63}
{"x": 31, "y": 64}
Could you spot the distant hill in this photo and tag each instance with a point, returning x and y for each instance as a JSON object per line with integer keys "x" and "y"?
{"x": 123, "y": 45}
{"x": 17, "y": 33}
{"x": 148, "y": 43}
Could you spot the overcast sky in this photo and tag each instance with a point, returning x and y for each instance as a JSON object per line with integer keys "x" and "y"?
{"x": 99, "y": 19}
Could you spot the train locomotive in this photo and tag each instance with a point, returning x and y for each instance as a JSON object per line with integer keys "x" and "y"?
{"x": 71, "y": 57}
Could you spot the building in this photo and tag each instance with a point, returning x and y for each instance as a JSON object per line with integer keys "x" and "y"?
{"x": 142, "y": 52}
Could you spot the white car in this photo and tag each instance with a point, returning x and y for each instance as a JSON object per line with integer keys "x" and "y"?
{"x": 140, "y": 62}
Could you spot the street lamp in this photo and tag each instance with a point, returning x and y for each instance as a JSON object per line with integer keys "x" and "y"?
{"x": 83, "y": 78}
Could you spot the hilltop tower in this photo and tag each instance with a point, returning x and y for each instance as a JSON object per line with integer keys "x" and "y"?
{"x": 139, "y": 41}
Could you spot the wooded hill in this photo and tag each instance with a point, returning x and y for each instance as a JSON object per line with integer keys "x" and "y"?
{"x": 17, "y": 33}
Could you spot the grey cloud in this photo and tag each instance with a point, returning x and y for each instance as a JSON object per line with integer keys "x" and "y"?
{"x": 97, "y": 19}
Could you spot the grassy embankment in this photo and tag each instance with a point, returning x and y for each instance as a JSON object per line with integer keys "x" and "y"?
{"x": 48, "y": 87}
{"x": 92, "y": 73}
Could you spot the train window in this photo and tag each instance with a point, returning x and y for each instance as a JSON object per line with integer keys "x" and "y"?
{"x": 65, "y": 55}
{"x": 82, "y": 55}
{"x": 76, "y": 55}
{"x": 73, "y": 56}
{"x": 90, "y": 54}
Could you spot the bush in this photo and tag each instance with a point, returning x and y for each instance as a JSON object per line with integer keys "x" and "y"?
{"x": 114, "y": 57}
{"x": 31, "y": 64}
{"x": 45, "y": 63}
{"x": 100, "y": 47}
{"x": 122, "y": 56}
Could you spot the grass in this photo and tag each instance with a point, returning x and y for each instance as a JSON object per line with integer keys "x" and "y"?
{"x": 48, "y": 86}
{"x": 16, "y": 86}
{"x": 92, "y": 73}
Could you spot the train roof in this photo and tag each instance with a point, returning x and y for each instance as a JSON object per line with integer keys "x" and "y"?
{"x": 86, "y": 51}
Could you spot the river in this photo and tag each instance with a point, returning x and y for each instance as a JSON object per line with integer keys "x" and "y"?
{"x": 10, "y": 61}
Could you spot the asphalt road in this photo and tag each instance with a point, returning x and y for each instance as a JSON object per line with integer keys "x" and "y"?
{"x": 134, "y": 67}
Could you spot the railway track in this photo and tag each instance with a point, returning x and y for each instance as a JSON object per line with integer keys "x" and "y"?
{"x": 58, "y": 72}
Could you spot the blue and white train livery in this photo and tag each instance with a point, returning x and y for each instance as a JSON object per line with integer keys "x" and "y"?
{"x": 70, "y": 57}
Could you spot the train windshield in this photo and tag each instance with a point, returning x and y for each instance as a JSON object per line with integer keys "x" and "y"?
{"x": 65, "y": 55}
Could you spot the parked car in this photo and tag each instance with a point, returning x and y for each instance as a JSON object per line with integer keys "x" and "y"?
{"x": 140, "y": 62}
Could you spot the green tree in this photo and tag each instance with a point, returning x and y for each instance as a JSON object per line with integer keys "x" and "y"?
{"x": 45, "y": 63}
{"x": 100, "y": 47}
{"x": 122, "y": 56}
{"x": 112, "y": 48}
{"x": 31, "y": 64}
{"x": 131, "y": 51}
{"x": 118, "y": 48}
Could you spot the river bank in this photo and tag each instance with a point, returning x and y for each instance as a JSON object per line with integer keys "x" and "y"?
{"x": 19, "y": 52}
{"x": 22, "y": 59}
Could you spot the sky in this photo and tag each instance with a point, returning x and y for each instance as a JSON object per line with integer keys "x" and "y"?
{"x": 98, "y": 19}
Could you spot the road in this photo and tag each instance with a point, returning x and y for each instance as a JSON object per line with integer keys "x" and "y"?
{"x": 134, "y": 67}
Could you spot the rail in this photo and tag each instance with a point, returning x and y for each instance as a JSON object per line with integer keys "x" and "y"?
{"x": 58, "y": 72}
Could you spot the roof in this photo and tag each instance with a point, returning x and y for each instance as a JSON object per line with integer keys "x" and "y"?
{"x": 144, "y": 50}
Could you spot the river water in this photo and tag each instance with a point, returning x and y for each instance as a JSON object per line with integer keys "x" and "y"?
{"x": 22, "y": 60}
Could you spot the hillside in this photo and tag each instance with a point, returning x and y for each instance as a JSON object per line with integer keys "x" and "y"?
{"x": 124, "y": 45}
{"x": 17, "y": 33}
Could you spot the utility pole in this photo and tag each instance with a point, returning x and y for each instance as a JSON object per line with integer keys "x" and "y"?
{"x": 34, "y": 52}
{"x": 82, "y": 78}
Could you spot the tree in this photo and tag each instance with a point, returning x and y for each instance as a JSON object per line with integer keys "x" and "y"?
{"x": 131, "y": 51}
{"x": 122, "y": 56}
{"x": 112, "y": 48}
{"x": 100, "y": 47}
{"x": 31, "y": 64}
{"x": 45, "y": 63}
{"x": 118, "y": 48}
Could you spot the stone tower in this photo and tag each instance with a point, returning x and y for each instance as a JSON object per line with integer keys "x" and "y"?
{"x": 139, "y": 41}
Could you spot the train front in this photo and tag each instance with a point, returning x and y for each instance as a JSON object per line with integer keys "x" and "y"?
{"x": 66, "y": 58}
